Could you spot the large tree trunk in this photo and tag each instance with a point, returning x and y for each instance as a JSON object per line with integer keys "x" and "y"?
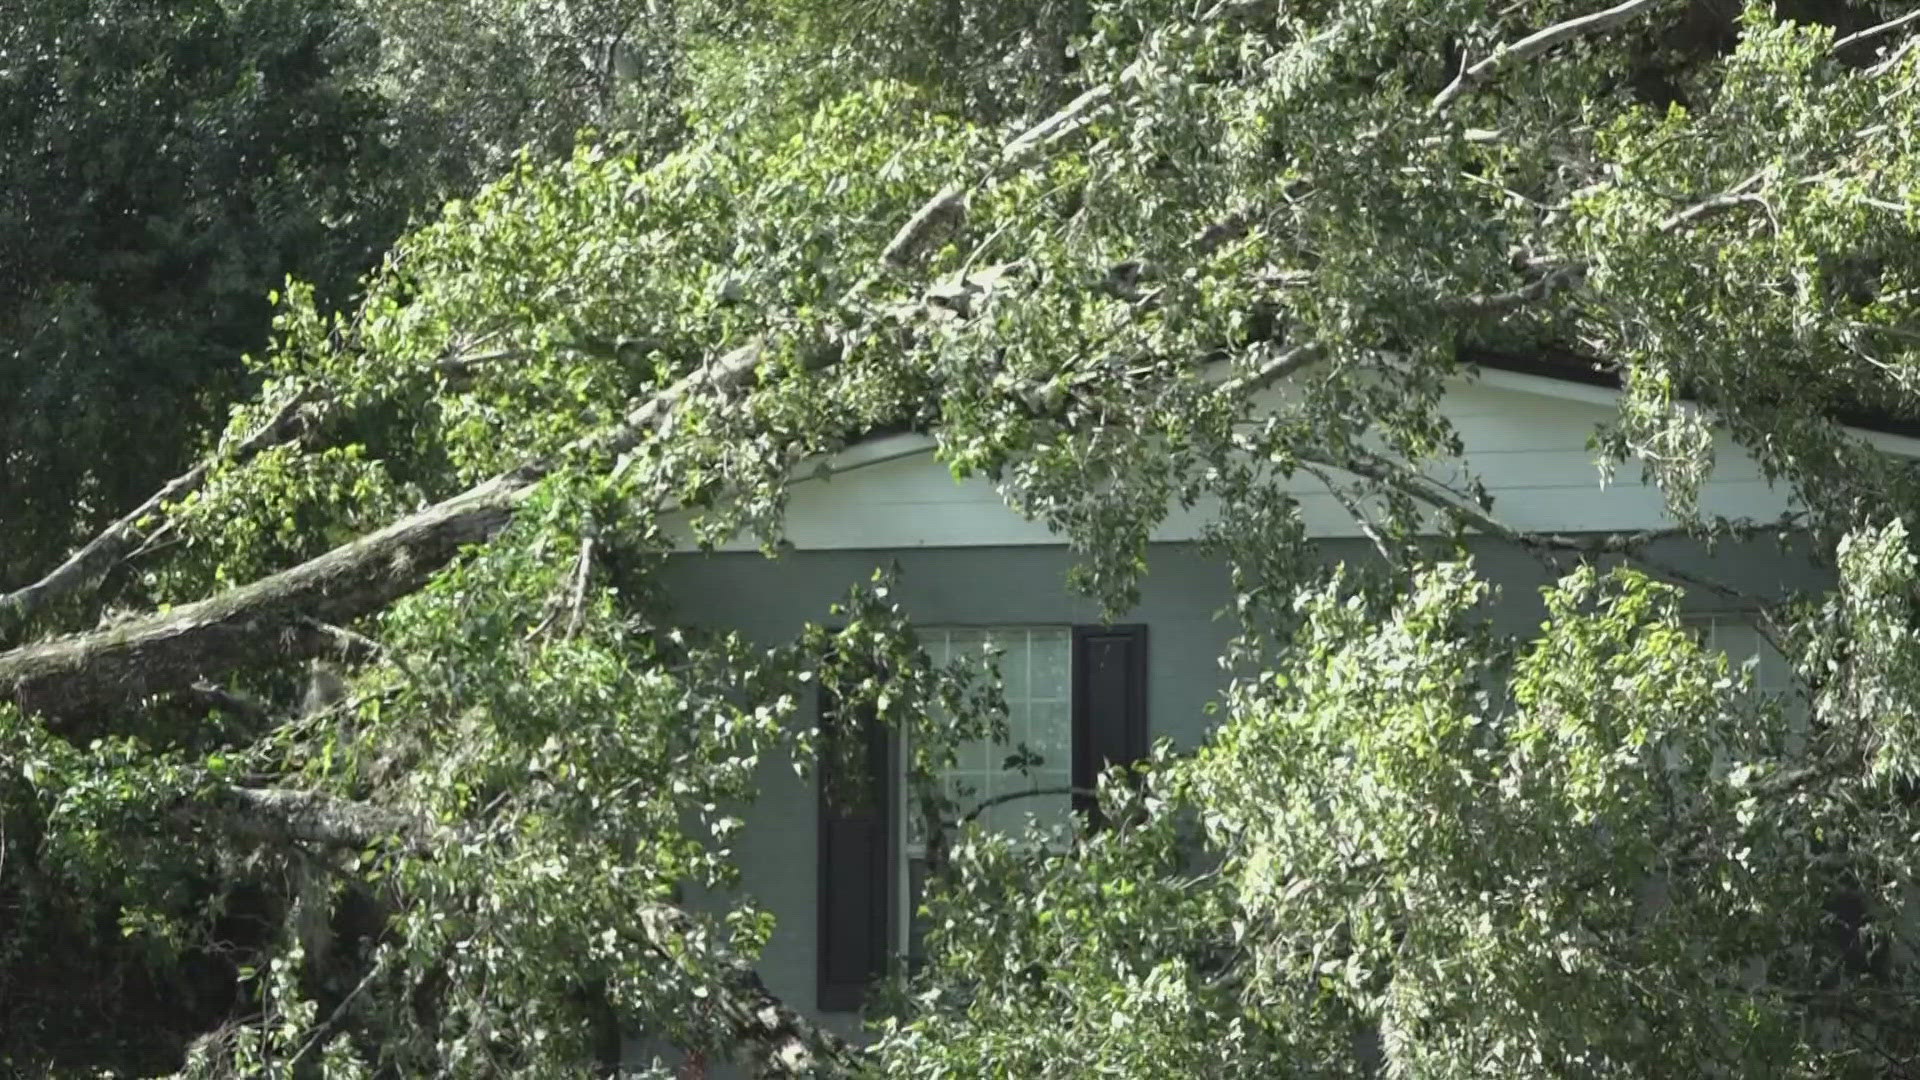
{"x": 277, "y": 617}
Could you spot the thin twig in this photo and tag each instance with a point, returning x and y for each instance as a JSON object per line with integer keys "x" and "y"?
{"x": 1061, "y": 124}
{"x": 582, "y": 573}
{"x": 1494, "y": 303}
{"x": 154, "y": 540}
{"x": 1357, "y": 513}
{"x": 352, "y": 643}
{"x": 242, "y": 705}
{"x": 332, "y": 1022}
{"x": 949, "y": 206}
{"x": 1738, "y": 193}
{"x": 1628, "y": 545}
{"x": 1282, "y": 366}
{"x": 1014, "y": 796}
{"x": 1893, "y": 58}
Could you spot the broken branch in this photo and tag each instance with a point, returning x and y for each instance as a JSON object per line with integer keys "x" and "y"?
{"x": 1058, "y": 126}
{"x": 273, "y": 617}
{"x": 1875, "y": 31}
{"x": 787, "y": 1042}
{"x": 1283, "y": 366}
{"x": 296, "y": 418}
{"x": 1495, "y": 303}
{"x": 1734, "y": 195}
{"x": 1534, "y": 44}
{"x": 98, "y": 555}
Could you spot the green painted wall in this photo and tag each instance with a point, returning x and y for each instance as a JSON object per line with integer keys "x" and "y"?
{"x": 771, "y": 599}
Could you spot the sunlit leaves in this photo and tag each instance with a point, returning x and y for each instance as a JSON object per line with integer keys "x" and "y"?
{"x": 1532, "y": 866}
{"x": 1435, "y": 850}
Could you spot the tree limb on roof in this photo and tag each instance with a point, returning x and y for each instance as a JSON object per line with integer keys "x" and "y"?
{"x": 1534, "y": 44}
{"x": 273, "y": 618}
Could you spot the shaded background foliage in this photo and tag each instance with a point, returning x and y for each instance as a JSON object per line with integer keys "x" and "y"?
{"x": 164, "y": 169}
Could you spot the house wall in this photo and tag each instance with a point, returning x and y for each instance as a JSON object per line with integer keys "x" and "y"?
{"x": 1525, "y": 439}
{"x": 963, "y": 557}
{"x": 770, "y": 600}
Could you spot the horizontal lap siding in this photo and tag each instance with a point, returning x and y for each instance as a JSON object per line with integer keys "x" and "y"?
{"x": 770, "y": 601}
{"x": 1529, "y": 450}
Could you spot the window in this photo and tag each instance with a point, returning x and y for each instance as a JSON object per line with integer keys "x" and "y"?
{"x": 1036, "y": 676}
{"x": 1736, "y": 635}
{"x": 1076, "y": 696}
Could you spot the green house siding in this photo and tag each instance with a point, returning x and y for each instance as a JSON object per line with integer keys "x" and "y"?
{"x": 1182, "y": 598}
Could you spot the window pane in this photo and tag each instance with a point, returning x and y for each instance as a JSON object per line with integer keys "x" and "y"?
{"x": 1036, "y": 665}
{"x": 1052, "y": 664}
{"x": 916, "y": 925}
{"x": 1013, "y": 664}
{"x": 1013, "y": 815}
{"x": 976, "y": 755}
{"x": 1052, "y": 734}
{"x": 1741, "y": 640}
{"x": 1019, "y": 732}
{"x": 969, "y": 644}
{"x": 1035, "y": 668}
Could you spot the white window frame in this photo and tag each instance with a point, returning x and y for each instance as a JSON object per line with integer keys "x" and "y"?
{"x": 905, "y": 849}
{"x": 1771, "y": 673}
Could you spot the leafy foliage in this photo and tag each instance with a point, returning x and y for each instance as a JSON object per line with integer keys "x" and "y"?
{"x": 1256, "y": 246}
{"x": 1583, "y": 876}
{"x": 164, "y": 168}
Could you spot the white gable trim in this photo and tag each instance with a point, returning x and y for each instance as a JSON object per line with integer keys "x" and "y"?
{"x": 1608, "y": 398}
{"x": 871, "y": 452}
{"x": 1564, "y": 389}
{"x": 1525, "y": 438}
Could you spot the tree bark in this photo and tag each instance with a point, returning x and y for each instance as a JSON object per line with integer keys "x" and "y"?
{"x": 273, "y": 618}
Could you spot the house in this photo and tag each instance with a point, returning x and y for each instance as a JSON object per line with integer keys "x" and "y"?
{"x": 1082, "y": 691}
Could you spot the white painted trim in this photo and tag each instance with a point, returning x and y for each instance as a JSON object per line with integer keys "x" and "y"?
{"x": 862, "y": 454}
{"x": 1901, "y": 445}
{"x": 1563, "y": 389}
{"x": 1568, "y": 390}
{"x": 1526, "y": 438}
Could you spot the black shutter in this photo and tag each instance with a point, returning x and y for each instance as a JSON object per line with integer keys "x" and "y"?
{"x": 855, "y": 869}
{"x": 1109, "y": 702}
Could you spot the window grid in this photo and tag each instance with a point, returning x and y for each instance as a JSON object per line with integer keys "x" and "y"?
{"x": 1037, "y": 682}
{"x": 1739, "y": 637}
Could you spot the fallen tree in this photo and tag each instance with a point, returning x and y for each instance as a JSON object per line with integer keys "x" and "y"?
{"x": 1256, "y": 245}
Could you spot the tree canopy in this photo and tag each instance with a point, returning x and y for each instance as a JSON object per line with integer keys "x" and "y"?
{"x": 163, "y": 169}
{"x": 1207, "y": 248}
